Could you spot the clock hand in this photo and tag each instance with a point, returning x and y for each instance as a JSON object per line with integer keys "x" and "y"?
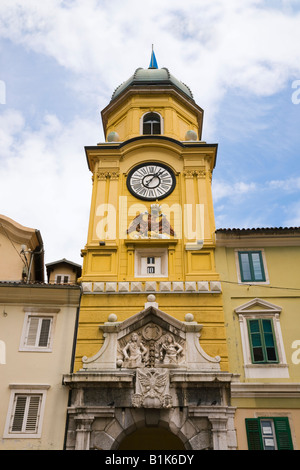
{"x": 154, "y": 176}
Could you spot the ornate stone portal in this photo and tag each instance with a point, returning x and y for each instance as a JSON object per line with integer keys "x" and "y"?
{"x": 150, "y": 371}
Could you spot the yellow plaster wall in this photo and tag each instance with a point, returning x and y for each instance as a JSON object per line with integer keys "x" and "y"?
{"x": 178, "y": 119}
{"x": 283, "y": 273}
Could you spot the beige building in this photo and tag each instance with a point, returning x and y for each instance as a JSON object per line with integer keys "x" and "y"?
{"x": 37, "y": 323}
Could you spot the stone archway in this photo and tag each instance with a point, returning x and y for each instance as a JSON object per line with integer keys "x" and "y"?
{"x": 151, "y": 438}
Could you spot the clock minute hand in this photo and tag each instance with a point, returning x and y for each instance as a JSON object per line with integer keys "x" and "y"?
{"x": 154, "y": 176}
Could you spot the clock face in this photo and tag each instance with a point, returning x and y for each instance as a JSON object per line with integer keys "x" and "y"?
{"x": 151, "y": 181}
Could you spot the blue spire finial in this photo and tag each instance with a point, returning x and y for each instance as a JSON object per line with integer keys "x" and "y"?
{"x": 153, "y": 63}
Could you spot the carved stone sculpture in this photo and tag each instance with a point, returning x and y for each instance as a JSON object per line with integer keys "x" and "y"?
{"x": 152, "y": 389}
{"x": 170, "y": 350}
{"x": 134, "y": 352}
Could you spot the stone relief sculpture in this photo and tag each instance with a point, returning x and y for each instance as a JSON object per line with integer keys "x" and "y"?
{"x": 170, "y": 350}
{"x": 151, "y": 339}
{"x": 150, "y": 347}
{"x": 134, "y": 352}
{"x": 152, "y": 389}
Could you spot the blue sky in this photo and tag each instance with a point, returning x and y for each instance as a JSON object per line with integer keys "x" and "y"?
{"x": 60, "y": 62}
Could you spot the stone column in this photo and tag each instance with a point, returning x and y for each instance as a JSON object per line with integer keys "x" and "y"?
{"x": 83, "y": 431}
{"x": 219, "y": 433}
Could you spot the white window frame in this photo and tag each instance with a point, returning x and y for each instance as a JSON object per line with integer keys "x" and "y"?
{"x": 62, "y": 276}
{"x": 156, "y": 253}
{"x": 28, "y": 391}
{"x": 40, "y": 316}
{"x": 161, "y": 123}
{"x": 262, "y": 309}
{"x": 238, "y": 268}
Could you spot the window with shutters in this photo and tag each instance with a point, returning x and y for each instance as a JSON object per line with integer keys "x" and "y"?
{"x": 269, "y": 433}
{"x": 37, "y": 333}
{"x": 251, "y": 266}
{"x": 262, "y": 341}
{"x": 25, "y": 413}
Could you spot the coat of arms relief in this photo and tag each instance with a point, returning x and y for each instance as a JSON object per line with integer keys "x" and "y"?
{"x": 151, "y": 351}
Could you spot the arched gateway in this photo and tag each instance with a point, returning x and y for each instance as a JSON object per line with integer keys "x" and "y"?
{"x": 150, "y": 386}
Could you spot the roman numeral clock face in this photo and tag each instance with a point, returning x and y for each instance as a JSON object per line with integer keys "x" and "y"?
{"x": 151, "y": 181}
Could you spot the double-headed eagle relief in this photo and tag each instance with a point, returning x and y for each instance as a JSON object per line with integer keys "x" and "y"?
{"x": 151, "y": 225}
{"x": 151, "y": 351}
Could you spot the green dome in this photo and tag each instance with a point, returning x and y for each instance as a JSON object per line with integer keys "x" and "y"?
{"x": 152, "y": 76}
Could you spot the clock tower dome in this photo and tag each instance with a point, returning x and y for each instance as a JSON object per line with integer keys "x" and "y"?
{"x": 149, "y": 283}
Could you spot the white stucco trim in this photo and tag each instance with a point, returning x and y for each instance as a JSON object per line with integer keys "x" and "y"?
{"x": 258, "y": 308}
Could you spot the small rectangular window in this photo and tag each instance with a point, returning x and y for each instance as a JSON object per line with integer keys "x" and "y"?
{"x": 25, "y": 414}
{"x": 269, "y": 433}
{"x": 262, "y": 341}
{"x": 62, "y": 278}
{"x": 38, "y": 332}
{"x": 251, "y": 266}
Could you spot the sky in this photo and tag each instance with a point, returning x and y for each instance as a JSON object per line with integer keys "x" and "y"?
{"x": 61, "y": 60}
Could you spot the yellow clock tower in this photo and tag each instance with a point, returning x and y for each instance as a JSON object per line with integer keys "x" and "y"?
{"x": 151, "y": 364}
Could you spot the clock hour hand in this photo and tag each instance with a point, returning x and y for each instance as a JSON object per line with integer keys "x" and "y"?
{"x": 154, "y": 176}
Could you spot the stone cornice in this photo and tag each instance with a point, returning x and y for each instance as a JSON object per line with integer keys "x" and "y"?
{"x": 265, "y": 390}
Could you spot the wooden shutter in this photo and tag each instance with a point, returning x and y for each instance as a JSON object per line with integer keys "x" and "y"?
{"x": 283, "y": 433}
{"x": 254, "y": 434}
{"x": 26, "y": 414}
{"x": 32, "y": 331}
{"x": 19, "y": 412}
{"x": 44, "y": 332}
{"x": 38, "y": 333}
{"x": 32, "y": 414}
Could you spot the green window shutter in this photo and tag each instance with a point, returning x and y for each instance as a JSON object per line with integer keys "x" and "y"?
{"x": 262, "y": 341}
{"x": 251, "y": 266}
{"x": 254, "y": 434}
{"x": 283, "y": 434}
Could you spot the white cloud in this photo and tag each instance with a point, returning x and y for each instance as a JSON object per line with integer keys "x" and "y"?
{"x": 45, "y": 182}
{"x": 223, "y": 190}
{"x": 215, "y": 45}
{"x": 288, "y": 185}
{"x": 211, "y": 46}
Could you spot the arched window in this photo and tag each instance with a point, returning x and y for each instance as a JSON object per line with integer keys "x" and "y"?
{"x": 151, "y": 124}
